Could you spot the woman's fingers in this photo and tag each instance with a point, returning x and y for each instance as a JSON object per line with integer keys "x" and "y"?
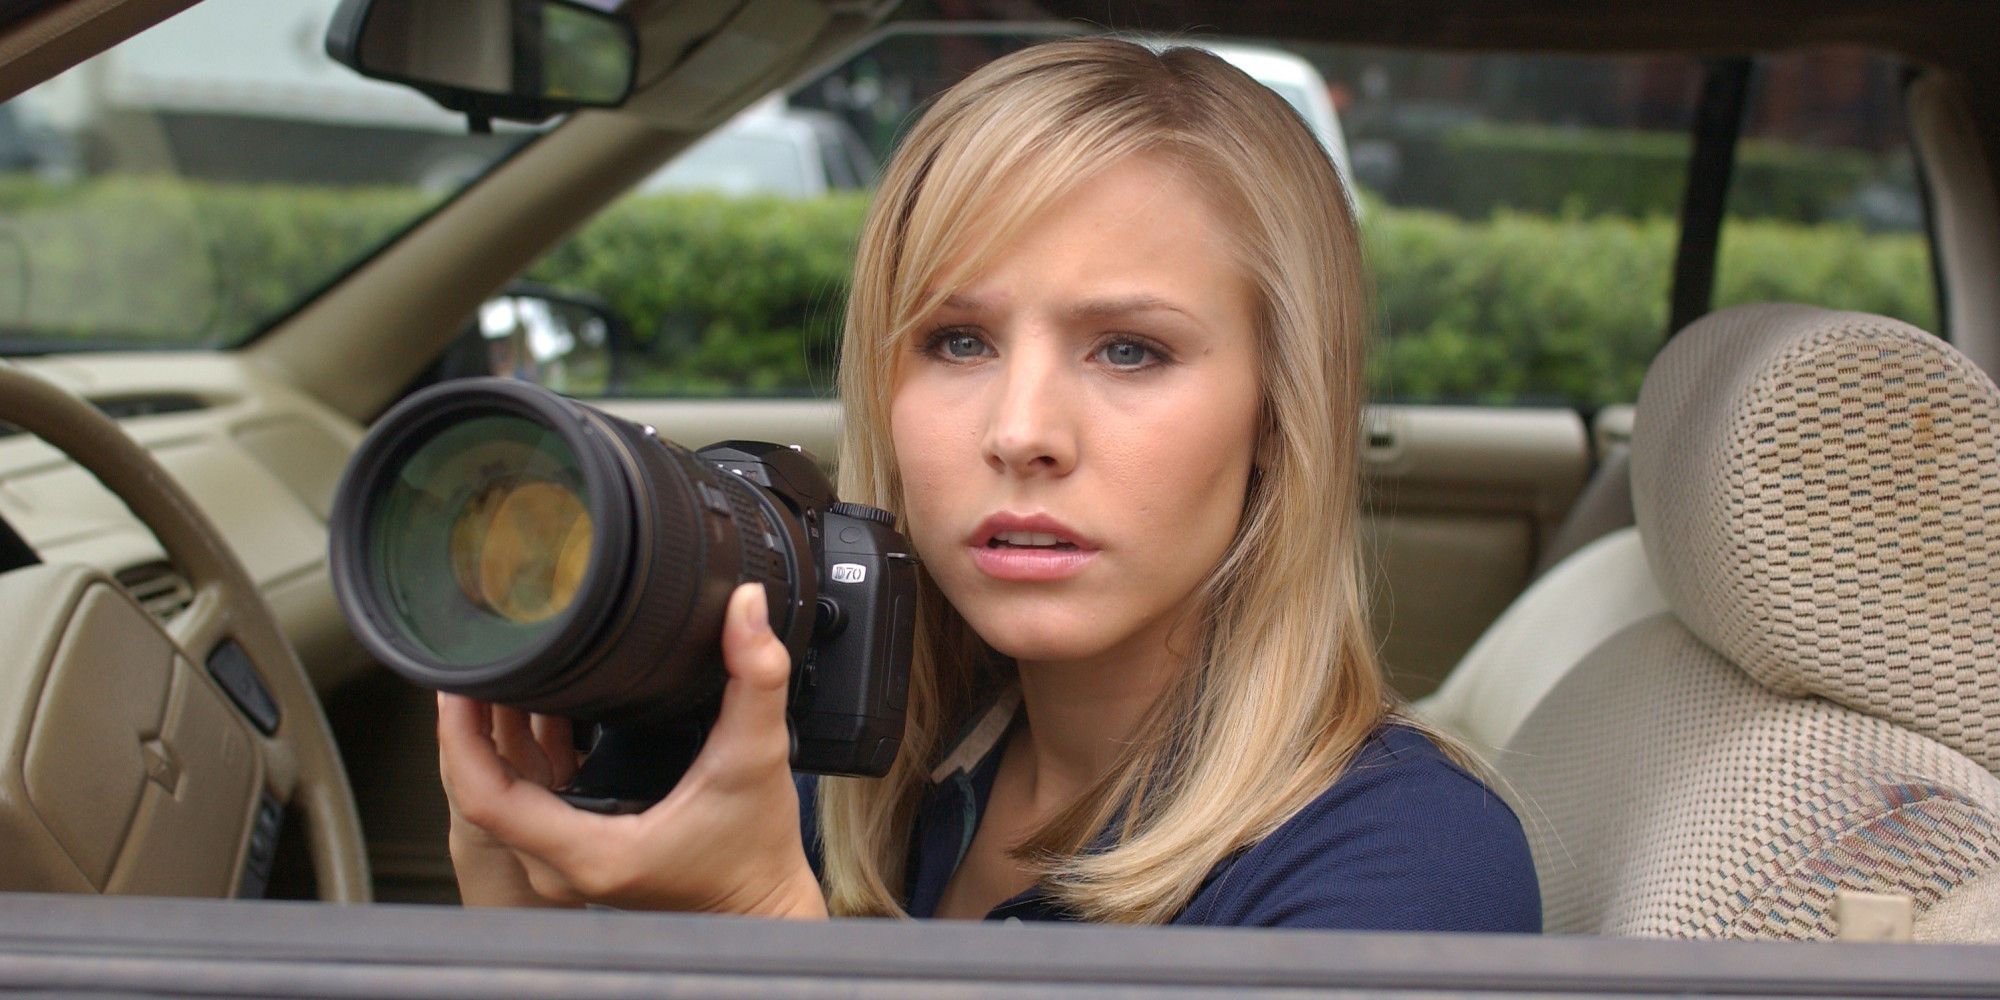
{"x": 465, "y": 746}
{"x": 519, "y": 840}
{"x": 751, "y": 730}
{"x": 536, "y": 747}
{"x": 463, "y": 714}
{"x": 515, "y": 739}
{"x": 554, "y": 733}
{"x": 472, "y": 769}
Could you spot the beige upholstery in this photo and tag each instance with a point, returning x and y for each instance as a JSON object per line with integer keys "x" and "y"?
{"x": 1604, "y": 506}
{"x": 1579, "y": 603}
{"x": 1666, "y": 793}
{"x": 1965, "y": 915}
{"x": 1821, "y": 504}
{"x": 1819, "y": 499}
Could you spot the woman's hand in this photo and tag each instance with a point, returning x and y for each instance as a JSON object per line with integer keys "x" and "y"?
{"x": 529, "y": 748}
{"x": 726, "y": 840}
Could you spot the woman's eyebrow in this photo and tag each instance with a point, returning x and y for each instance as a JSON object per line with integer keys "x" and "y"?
{"x": 1123, "y": 305}
{"x": 1088, "y": 309}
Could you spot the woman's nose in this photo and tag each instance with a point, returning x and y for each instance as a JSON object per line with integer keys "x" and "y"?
{"x": 1029, "y": 429}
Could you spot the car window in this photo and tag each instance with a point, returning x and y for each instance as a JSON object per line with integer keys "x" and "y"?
{"x": 1528, "y": 257}
{"x": 194, "y": 183}
{"x": 1520, "y": 214}
{"x": 1525, "y": 208}
{"x": 1824, "y": 205}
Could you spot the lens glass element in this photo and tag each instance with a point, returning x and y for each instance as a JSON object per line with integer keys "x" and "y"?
{"x": 482, "y": 539}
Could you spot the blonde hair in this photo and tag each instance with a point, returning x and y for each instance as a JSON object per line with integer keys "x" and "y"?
{"x": 1284, "y": 686}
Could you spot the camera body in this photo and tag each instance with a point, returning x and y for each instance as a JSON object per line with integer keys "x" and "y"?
{"x": 850, "y": 684}
{"x": 494, "y": 539}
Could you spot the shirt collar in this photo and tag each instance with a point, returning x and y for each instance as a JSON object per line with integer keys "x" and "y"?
{"x": 981, "y": 737}
{"x": 949, "y": 815}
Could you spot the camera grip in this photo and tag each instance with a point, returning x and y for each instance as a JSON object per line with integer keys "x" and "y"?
{"x": 855, "y": 682}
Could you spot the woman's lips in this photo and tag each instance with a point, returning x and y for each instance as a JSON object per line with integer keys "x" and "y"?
{"x": 1030, "y": 564}
{"x": 1036, "y": 546}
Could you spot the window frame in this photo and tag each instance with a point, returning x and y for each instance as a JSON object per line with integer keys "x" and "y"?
{"x": 97, "y": 945}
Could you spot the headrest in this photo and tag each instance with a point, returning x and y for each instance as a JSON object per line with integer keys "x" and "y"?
{"x": 1819, "y": 495}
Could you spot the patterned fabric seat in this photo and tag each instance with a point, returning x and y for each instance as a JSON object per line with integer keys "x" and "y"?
{"x": 1817, "y": 716}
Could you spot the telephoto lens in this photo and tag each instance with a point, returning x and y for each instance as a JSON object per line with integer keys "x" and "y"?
{"x": 494, "y": 539}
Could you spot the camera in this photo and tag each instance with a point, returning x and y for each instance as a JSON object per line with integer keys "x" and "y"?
{"x": 494, "y": 539}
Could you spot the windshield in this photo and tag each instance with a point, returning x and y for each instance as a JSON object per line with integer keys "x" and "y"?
{"x": 197, "y": 182}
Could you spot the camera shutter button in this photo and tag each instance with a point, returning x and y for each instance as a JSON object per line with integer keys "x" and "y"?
{"x": 864, "y": 512}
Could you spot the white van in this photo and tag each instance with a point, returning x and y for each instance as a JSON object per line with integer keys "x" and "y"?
{"x": 1299, "y": 84}
{"x": 771, "y": 148}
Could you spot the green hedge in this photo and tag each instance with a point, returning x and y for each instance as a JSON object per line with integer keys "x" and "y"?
{"x": 1475, "y": 170}
{"x": 726, "y": 296}
{"x": 156, "y": 260}
{"x": 1527, "y": 309}
{"x": 722, "y": 295}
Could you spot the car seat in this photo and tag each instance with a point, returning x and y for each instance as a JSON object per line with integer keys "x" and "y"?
{"x": 1604, "y": 507}
{"x": 1809, "y": 735}
{"x": 1559, "y": 619}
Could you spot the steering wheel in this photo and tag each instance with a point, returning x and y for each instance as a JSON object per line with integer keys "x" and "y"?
{"x": 147, "y": 758}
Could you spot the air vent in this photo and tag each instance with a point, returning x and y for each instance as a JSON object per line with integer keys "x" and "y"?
{"x": 127, "y": 407}
{"x": 159, "y": 588}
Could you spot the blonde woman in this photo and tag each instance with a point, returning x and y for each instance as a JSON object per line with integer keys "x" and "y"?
{"x": 1103, "y": 357}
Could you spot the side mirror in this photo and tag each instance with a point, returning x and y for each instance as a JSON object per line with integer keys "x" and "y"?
{"x": 562, "y": 340}
{"x": 525, "y": 60}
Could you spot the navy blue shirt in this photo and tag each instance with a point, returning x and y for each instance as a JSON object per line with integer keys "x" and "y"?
{"x": 1403, "y": 840}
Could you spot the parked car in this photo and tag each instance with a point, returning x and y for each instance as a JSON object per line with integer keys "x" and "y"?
{"x": 771, "y": 149}
{"x": 1302, "y": 87}
{"x": 191, "y": 361}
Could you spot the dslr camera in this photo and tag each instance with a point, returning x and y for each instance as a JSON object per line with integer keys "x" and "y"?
{"x": 493, "y": 539}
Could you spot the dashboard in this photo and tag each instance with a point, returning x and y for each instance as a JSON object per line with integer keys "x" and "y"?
{"x": 261, "y": 460}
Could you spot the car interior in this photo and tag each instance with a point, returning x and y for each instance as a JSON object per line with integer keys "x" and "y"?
{"x": 1725, "y": 636}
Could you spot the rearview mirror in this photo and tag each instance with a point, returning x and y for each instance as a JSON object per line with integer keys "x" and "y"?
{"x": 524, "y": 60}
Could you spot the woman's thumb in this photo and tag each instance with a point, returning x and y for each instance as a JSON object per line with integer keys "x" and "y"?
{"x": 760, "y": 669}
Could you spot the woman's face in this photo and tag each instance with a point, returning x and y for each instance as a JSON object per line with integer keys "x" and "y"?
{"x": 1095, "y": 387}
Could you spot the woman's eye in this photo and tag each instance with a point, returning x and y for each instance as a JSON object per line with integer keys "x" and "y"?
{"x": 1126, "y": 354}
{"x": 956, "y": 345}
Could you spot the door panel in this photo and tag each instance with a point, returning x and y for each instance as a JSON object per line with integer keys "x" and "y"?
{"x": 1460, "y": 501}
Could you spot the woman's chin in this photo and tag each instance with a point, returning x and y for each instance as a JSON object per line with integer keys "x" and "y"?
{"x": 1042, "y": 640}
